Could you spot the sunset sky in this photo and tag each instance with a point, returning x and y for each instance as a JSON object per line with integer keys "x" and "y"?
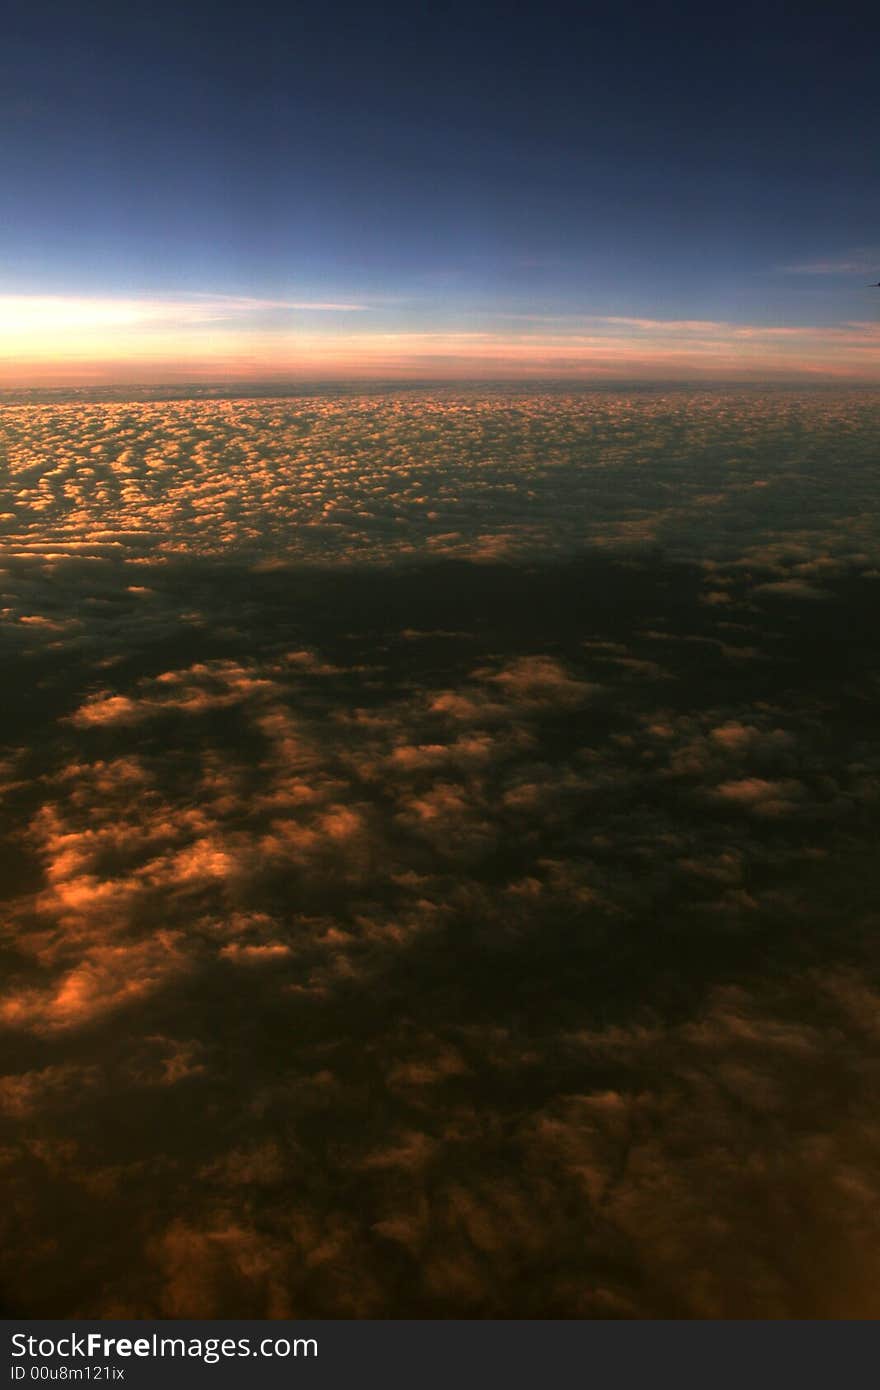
{"x": 319, "y": 192}
{"x": 439, "y": 757}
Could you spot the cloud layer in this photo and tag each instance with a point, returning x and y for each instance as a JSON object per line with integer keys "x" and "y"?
{"x": 439, "y": 857}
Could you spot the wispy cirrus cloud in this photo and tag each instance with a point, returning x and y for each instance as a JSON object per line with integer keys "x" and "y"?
{"x": 28, "y": 313}
{"x": 863, "y": 262}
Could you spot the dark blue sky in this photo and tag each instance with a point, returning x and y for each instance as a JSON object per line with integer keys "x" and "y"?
{"x": 447, "y": 165}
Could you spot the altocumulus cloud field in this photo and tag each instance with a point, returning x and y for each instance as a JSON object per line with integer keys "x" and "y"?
{"x": 440, "y": 855}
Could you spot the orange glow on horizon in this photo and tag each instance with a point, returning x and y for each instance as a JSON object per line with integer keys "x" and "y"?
{"x": 69, "y": 342}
